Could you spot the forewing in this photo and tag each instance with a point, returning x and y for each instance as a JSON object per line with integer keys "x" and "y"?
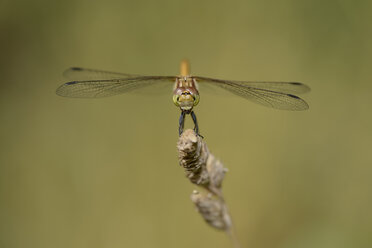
{"x": 105, "y": 88}
{"x": 283, "y": 87}
{"x": 270, "y": 94}
{"x": 78, "y": 73}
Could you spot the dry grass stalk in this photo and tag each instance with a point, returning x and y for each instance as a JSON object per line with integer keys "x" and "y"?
{"x": 204, "y": 169}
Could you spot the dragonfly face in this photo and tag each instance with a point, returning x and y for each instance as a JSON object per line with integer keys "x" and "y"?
{"x": 185, "y": 93}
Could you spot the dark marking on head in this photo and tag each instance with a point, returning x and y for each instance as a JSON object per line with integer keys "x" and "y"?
{"x": 76, "y": 68}
{"x": 296, "y": 83}
{"x": 69, "y": 83}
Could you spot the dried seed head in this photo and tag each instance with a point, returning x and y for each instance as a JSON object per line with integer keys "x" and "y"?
{"x": 201, "y": 167}
{"x": 204, "y": 169}
{"x": 216, "y": 171}
{"x": 213, "y": 210}
{"x": 193, "y": 154}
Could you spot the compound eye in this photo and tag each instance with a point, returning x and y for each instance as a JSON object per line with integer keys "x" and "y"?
{"x": 176, "y": 99}
{"x": 196, "y": 99}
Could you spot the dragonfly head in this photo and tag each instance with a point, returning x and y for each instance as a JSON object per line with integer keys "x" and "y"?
{"x": 185, "y": 100}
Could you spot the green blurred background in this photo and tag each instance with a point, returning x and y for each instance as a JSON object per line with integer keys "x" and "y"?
{"x": 104, "y": 172}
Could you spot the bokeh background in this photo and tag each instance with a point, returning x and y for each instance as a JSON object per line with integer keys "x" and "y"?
{"x": 104, "y": 173}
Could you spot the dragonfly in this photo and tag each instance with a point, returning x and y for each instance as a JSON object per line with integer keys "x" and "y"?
{"x": 93, "y": 83}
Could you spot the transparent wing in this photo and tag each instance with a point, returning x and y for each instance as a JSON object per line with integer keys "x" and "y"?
{"x": 283, "y": 87}
{"x": 270, "y": 94}
{"x": 78, "y": 73}
{"x": 104, "y": 88}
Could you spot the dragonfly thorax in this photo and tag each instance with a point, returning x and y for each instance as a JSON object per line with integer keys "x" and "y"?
{"x": 185, "y": 94}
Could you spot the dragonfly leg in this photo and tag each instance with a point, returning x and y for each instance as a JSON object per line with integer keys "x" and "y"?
{"x": 181, "y": 122}
{"x": 196, "y": 127}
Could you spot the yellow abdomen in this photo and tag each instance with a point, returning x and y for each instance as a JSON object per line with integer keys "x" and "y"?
{"x": 185, "y": 68}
